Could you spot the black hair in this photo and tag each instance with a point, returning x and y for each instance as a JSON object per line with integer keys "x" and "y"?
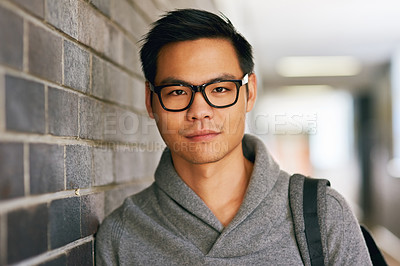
{"x": 191, "y": 24}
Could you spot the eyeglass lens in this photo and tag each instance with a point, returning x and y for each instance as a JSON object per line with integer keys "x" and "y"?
{"x": 218, "y": 94}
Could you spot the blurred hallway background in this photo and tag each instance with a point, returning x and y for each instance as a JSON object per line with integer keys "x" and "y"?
{"x": 329, "y": 97}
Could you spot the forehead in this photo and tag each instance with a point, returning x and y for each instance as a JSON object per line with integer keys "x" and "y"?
{"x": 197, "y": 61}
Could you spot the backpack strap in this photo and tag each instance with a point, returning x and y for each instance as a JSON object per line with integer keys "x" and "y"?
{"x": 374, "y": 252}
{"x": 307, "y": 200}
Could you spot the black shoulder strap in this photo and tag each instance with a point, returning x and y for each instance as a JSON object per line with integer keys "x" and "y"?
{"x": 307, "y": 208}
{"x": 304, "y": 205}
{"x": 312, "y": 228}
{"x": 374, "y": 252}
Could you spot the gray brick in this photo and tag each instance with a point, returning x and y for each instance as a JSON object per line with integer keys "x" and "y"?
{"x": 110, "y": 123}
{"x": 137, "y": 163}
{"x": 46, "y": 167}
{"x": 164, "y": 5}
{"x": 151, "y": 157}
{"x": 62, "y": 112}
{"x": 76, "y": 67}
{"x": 102, "y": 5}
{"x": 149, "y": 8}
{"x": 90, "y": 118}
{"x": 121, "y": 125}
{"x": 124, "y": 14}
{"x": 60, "y": 260}
{"x": 150, "y": 133}
{"x": 205, "y": 5}
{"x": 128, "y": 166}
{"x": 63, "y": 14}
{"x": 131, "y": 56}
{"x": 177, "y": 4}
{"x": 114, "y": 198}
{"x": 92, "y": 28}
{"x": 11, "y": 170}
{"x": 64, "y": 221}
{"x": 129, "y": 125}
{"x": 81, "y": 255}
{"x": 111, "y": 83}
{"x": 92, "y": 213}
{"x": 24, "y": 105}
{"x": 99, "y": 77}
{"x": 44, "y": 54}
{"x": 114, "y": 49}
{"x": 35, "y": 7}
{"x": 11, "y": 29}
{"x": 138, "y": 97}
{"x": 27, "y": 233}
{"x": 120, "y": 87}
{"x": 78, "y": 164}
{"x": 102, "y": 166}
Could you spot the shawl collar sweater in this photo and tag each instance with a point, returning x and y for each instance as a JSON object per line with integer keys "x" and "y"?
{"x": 168, "y": 223}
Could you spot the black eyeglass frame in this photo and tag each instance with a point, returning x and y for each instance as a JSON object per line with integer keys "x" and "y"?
{"x": 200, "y": 88}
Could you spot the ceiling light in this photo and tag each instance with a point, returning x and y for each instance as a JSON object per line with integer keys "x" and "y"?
{"x": 318, "y": 66}
{"x": 306, "y": 88}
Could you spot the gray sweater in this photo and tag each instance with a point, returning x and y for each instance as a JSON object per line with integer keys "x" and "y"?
{"x": 168, "y": 224}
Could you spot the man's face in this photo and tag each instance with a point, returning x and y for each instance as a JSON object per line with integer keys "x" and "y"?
{"x": 201, "y": 134}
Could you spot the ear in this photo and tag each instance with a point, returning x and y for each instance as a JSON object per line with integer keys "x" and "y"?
{"x": 252, "y": 94}
{"x": 149, "y": 106}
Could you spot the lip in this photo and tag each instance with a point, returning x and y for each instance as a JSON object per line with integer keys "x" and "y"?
{"x": 203, "y": 135}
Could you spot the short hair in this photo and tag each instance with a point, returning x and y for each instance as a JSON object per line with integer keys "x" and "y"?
{"x": 191, "y": 24}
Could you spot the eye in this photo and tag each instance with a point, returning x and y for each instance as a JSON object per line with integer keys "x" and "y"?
{"x": 220, "y": 89}
{"x": 177, "y": 92}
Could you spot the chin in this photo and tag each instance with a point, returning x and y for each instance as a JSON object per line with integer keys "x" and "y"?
{"x": 202, "y": 153}
{"x": 204, "y": 158}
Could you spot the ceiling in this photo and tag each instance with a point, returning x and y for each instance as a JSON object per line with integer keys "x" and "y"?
{"x": 369, "y": 30}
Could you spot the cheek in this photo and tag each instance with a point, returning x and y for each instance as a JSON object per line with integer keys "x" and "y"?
{"x": 237, "y": 114}
{"x": 168, "y": 122}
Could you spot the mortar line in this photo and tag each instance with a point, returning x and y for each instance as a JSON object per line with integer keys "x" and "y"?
{"x": 32, "y": 200}
{"x": 31, "y": 77}
{"x": 105, "y": 144}
{"x": 52, "y": 254}
{"x": 141, "y": 12}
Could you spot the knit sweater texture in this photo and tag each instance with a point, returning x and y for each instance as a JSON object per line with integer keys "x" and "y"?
{"x": 168, "y": 223}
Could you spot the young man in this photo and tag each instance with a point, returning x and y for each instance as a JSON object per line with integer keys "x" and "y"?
{"x": 218, "y": 196}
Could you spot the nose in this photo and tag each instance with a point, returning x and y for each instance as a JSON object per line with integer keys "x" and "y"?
{"x": 199, "y": 109}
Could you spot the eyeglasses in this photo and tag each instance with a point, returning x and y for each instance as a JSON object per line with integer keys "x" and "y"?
{"x": 218, "y": 94}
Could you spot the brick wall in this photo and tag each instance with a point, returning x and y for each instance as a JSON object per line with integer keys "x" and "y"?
{"x": 75, "y": 138}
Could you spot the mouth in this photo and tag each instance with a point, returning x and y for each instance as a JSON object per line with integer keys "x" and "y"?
{"x": 203, "y": 135}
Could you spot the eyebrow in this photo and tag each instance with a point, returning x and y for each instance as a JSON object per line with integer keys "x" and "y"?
{"x": 173, "y": 80}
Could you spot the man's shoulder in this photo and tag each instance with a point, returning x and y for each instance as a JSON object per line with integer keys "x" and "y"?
{"x": 338, "y": 207}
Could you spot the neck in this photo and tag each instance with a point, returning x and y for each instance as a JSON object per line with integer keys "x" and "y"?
{"x": 221, "y": 185}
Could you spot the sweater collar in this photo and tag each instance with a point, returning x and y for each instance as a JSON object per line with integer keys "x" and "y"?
{"x": 263, "y": 178}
